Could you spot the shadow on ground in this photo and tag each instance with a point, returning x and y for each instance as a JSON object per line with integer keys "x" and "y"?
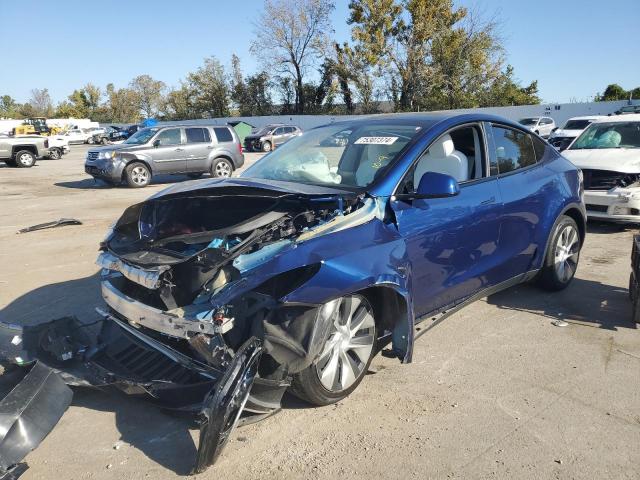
{"x": 585, "y": 301}
{"x": 92, "y": 184}
{"x": 163, "y": 438}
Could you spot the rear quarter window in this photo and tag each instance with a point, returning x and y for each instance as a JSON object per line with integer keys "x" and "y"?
{"x": 223, "y": 134}
{"x": 513, "y": 149}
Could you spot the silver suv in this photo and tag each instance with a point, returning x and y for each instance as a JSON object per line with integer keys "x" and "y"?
{"x": 193, "y": 150}
{"x": 270, "y": 136}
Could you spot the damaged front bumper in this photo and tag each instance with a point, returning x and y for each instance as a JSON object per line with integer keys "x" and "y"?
{"x": 615, "y": 205}
{"x": 130, "y": 359}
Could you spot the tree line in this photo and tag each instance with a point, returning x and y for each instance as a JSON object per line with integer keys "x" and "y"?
{"x": 404, "y": 55}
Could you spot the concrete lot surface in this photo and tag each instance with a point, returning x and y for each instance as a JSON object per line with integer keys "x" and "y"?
{"x": 496, "y": 391}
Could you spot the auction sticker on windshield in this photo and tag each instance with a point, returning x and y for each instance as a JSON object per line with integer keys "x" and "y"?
{"x": 375, "y": 140}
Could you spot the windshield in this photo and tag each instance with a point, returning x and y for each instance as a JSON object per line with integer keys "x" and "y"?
{"x": 609, "y": 135}
{"x": 576, "y": 124}
{"x": 528, "y": 121}
{"x": 351, "y": 156}
{"x": 141, "y": 136}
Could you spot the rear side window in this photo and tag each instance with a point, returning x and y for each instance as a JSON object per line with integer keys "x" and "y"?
{"x": 513, "y": 149}
{"x": 223, "y": 134}
{"x": 198, "y": 135}
{"x": 539, "y": 147}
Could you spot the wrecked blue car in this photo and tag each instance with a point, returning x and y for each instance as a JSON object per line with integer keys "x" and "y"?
{"x": 223, "y": 294}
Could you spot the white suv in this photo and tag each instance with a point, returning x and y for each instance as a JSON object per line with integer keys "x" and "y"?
{"x": 543, "y": 126}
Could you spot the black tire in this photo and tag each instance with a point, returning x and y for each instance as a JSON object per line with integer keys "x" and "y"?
{"x": 55, "y": 153}
{"x": 104, "y": 141}
{"x": 557, "y": 275}
{"x": 24, "y": 159}
{"x": 90, "y": 141}
{"x": 194, "y": 175}
{"x": 137, "y": 175}
{"x": 221, "y": 168}
{"x": 266, "y": 146}
{"x": 307, "y": 384}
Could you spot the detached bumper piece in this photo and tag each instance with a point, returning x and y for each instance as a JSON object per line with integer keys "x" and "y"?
{"x": 135, "y": 361}
{"x": 28, "y": 413}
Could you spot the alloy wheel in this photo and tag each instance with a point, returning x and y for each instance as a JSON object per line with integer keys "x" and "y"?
{"x": 140, "y": 175}
{"x": 566, "y": 254}
{"x": 349, "y": 345}
{"x": 223, "y": 170}
{"x": 26, "y": 159}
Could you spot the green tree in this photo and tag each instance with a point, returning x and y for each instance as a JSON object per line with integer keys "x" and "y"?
{"x": 8, "y": 107}
{"x": 178, "y": 104}
{"x": 613, "y": 92}
{"x": 258, "y": 91}
{"x": 122, "y": 105}
{"x": 149, "y": 94}
{"x": 211, "y": 90}
{"x": 506, "y": 91}
{"x": 291, "y": 37}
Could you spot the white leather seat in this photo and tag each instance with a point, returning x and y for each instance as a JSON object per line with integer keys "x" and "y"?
{"x": 442, "y": 157}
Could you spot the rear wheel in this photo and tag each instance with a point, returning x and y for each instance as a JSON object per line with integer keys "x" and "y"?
{"x": 25, "y": 159}
{"x": 563, "y": 253}
{"x": 137, "y": 175}
{"x": 345, "y": 355}
{"x": 221, "y": 168}
{"x": 104, "y": 140}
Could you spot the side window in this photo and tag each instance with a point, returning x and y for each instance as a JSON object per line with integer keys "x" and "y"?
{"x": 513, "y": 149}
{"x": 291, "y": 130}
{"x": 539, "y": 147}
{"x": 197, "y": 135}
{"x": 458, "y": 153}
{"x": 169, "y": 137}
{"x": 278, "y": 131}
{"x": 223, "y": 134}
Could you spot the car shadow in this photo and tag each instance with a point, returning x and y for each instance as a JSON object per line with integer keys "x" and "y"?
{"x": 92, "y": 184}
{"x": 164, "y": 438}
{"x": 596, "y": 227}
{"x": 584, "y": 302}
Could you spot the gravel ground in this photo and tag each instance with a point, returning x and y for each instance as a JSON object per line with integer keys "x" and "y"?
{"x": 496, "y": 391}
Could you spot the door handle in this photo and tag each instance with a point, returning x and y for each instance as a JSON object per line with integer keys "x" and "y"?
{"x": 210, "y": 147}
{"x": 179, "y": 149}
{"x": 488, "y": 201}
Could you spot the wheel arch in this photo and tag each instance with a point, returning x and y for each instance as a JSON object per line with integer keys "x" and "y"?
{"x": 573, "y": 211}
{"x": 18, "y": 148}
{"x": 134, "y": 160}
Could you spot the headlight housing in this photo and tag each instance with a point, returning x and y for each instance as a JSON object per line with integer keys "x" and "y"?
{"x": 106, "y": 155}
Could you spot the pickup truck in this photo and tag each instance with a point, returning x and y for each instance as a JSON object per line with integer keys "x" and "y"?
{"x": 22, "y": 151}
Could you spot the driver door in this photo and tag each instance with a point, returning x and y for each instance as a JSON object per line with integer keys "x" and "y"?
{"x": 452, "y": 242}
{"x": 168, "y": 152}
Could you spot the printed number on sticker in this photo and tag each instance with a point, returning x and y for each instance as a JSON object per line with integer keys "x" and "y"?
{"x": 375, "y": 140}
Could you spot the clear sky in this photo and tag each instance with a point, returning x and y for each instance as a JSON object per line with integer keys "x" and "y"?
{"x": 574, "y": 48}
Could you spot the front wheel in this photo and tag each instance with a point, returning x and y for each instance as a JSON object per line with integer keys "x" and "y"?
{"x": 345, "y": 355}
{"x": 266, "y": 146}
{"x": 55, "y": 154}
{"x": 563, "y": 253}
{"x": 137, "y": 175}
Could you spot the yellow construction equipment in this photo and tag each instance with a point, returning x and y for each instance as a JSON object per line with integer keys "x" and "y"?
{"x": 36, "y": 126}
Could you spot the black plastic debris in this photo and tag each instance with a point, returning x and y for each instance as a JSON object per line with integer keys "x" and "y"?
{"x": 57, "y": 223}
{"x": 36, "y": 401}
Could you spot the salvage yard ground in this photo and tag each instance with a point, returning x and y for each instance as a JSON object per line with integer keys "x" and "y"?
{"x": 496, "y": 391}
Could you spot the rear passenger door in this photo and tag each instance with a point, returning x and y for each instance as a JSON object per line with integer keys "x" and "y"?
{"x": 524, "y": 183}
{"x": 279, "y": 136}
{"x": 197, "y": 147}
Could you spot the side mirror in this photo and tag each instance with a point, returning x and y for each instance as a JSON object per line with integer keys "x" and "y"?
{"x": 156, "y": 143}
{"x": 433, "y": 185}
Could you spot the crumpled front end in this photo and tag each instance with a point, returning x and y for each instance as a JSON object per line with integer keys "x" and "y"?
{"x": 612, "y": 196}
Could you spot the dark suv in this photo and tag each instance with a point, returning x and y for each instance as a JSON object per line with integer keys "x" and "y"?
{"x": 193, "y": 150}
{"x": 269, "y": 137}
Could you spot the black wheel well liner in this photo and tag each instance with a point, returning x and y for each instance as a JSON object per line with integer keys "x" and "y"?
{"x": 575, "y": 213}
{"x": 30, "y": 148}
{"x": 389, "y": 306}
